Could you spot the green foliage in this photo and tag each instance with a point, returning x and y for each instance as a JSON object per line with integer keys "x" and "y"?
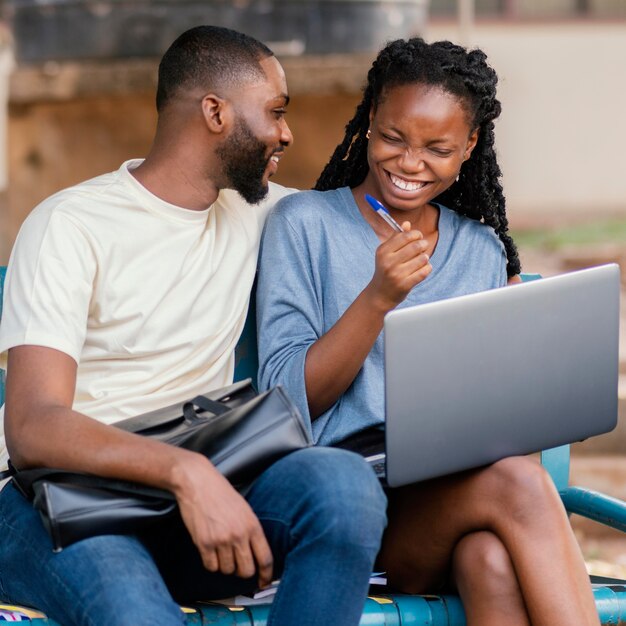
{"x": 606, "y": 231}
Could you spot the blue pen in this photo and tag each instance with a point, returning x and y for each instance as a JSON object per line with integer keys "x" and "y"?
{"x": 382, "y": 211}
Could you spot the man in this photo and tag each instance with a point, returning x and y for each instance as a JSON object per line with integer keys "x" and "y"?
{"x": 127, "y": 293}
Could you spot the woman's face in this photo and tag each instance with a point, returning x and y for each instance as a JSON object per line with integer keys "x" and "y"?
{"x": 420, "y": 136}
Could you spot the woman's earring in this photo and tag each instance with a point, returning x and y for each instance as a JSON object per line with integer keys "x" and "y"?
{"x": 458, "y": 176}
{"x": 368, "y": 134}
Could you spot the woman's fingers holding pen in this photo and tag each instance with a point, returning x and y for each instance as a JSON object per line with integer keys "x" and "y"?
{"x": 398, "y": 241}
{"x": 401, "y": 263}
{"x": 404, "y": 246}
{"x": 421, "y": 271}
{"x": 414, "y": 268}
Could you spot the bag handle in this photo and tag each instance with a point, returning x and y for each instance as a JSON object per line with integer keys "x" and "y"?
{"x": 204, "y": 403}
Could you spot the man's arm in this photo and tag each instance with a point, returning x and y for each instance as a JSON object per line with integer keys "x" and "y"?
{"x": 42, "y": 430}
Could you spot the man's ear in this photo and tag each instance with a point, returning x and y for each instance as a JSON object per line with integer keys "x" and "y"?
{"x": 217, "y": 113}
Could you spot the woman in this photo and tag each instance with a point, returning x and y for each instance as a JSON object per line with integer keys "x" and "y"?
{"x": 422, "y": 143}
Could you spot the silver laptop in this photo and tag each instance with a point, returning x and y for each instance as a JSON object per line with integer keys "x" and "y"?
{"x": 473, "y": 379}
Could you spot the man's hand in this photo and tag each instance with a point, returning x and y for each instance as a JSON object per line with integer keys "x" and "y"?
{"x": 43, "y": 431}
{"x": 223, "y": 527}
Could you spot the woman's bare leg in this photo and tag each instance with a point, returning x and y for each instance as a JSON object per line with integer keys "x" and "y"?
{"x": 486, "y": 581}
{"x": 516, "y": 500}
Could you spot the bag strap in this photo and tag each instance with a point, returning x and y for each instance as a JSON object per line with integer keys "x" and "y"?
{"x": 10, "y": 471}
{"x": 204, "y": 403}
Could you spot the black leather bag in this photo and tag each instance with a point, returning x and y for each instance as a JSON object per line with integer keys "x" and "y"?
{"x": 240, "y": 432}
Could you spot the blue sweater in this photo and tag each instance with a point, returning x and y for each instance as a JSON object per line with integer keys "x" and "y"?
{"x": 317, "y": 255}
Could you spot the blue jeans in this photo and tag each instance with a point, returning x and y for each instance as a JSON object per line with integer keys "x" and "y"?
{"x": 323, "y": 513}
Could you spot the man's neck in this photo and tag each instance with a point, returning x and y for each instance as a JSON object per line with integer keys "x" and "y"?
{"x": 172, "y": 181}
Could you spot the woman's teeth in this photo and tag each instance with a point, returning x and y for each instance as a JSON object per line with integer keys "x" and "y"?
{"x": 406, "y": 185}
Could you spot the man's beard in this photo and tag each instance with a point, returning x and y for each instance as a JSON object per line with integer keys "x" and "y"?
{"x": 244, "y": 161}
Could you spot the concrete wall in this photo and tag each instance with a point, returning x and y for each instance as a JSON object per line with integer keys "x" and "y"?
{"x": 562, "y": 133}
{"x": 68, "y": 123}
{"x": 561, "y": 137}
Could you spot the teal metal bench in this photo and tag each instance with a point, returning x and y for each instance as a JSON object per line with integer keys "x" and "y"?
{"x": 398, "y": 609}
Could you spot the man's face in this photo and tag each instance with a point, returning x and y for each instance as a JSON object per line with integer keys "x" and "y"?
{"x": 251, "y": 151}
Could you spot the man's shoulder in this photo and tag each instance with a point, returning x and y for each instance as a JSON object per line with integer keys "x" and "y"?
{"x": 276, "y": 192}
{"x": 230, "y": 199}
{"x": 81, "y": 199}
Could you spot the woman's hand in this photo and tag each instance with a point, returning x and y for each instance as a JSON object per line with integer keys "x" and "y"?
{"x": 401, "y": 263}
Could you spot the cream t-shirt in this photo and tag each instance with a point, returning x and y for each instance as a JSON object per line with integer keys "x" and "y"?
{"x": 148, "y": 298}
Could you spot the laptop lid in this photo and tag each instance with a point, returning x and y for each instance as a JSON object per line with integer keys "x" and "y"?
{"x": 476, "y": 378}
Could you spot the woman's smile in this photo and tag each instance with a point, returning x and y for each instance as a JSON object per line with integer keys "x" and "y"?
{"x": 405, "y": 184}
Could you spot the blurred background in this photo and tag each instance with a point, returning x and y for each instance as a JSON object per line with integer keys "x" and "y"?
{"x": 77, "y": 82}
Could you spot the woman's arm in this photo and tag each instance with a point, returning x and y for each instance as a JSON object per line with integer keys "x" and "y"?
{"x": 316, "y": 366}
{"x": 334, "y": 360}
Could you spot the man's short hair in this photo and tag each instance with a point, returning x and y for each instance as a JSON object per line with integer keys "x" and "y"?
{"x": 209, "y": 57}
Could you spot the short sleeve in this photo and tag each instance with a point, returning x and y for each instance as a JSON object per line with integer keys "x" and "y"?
{"x": 49, "y": 285}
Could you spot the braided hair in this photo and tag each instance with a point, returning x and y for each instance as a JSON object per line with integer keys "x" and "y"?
{"x": 467, "y": 76}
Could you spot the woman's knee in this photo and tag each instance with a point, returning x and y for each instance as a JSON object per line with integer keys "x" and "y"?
{"x": 481, "y": 556}
{"x": 522, "y": 487}
{"x": 522, "y": 472}
{"x": 486, "y": 580}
